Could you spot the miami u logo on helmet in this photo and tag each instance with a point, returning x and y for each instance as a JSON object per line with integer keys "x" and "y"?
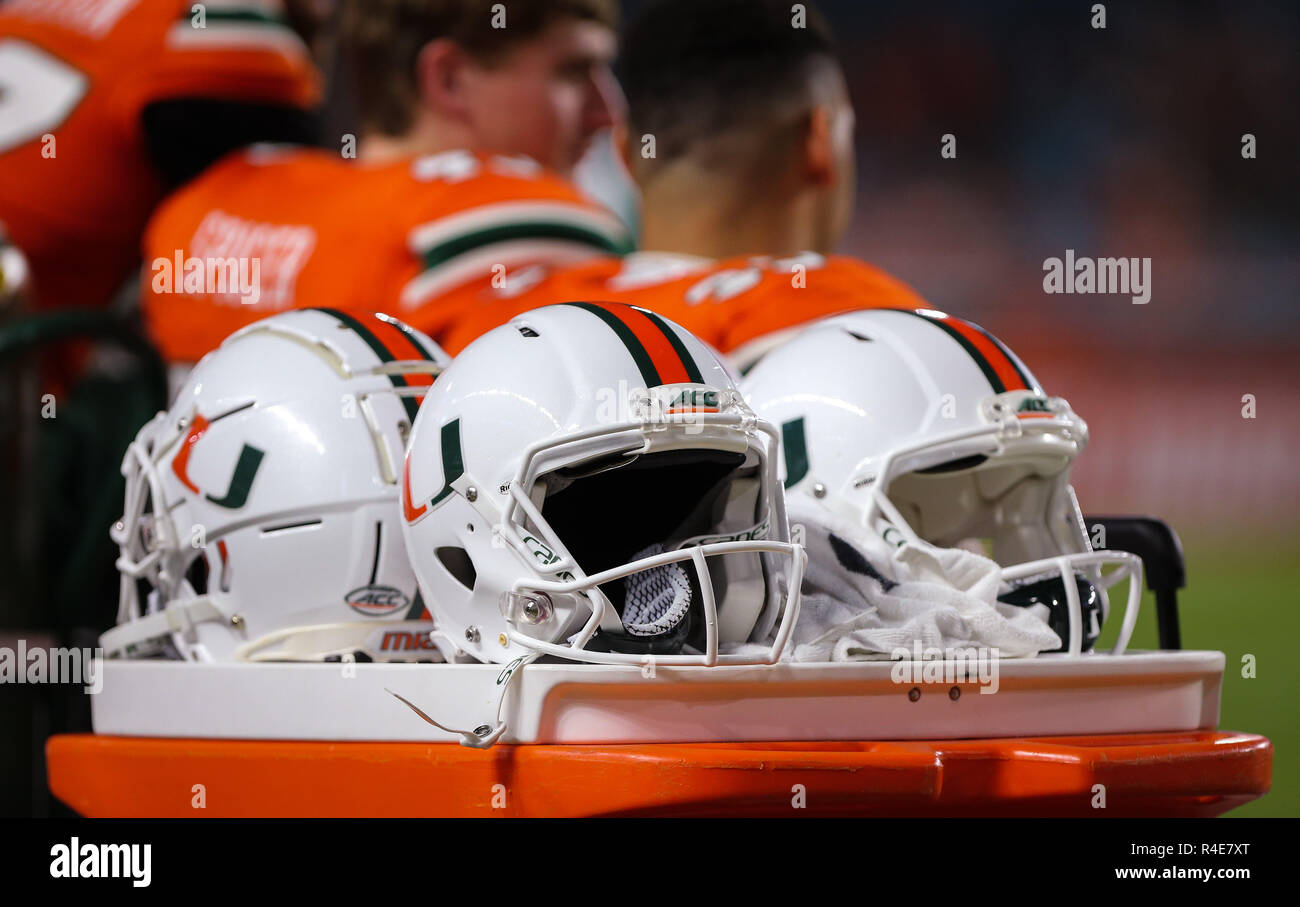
{"x": 241, "y": 482}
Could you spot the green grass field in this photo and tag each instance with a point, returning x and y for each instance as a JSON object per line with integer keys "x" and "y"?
{"x": 1240, "y": 600}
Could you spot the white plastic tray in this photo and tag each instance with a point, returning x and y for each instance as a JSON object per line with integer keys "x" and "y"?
{"x": 571, "y": 703}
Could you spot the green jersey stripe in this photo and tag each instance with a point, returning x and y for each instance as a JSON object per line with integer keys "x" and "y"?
{"x": 445, "y": 251}
{"x": 246, "y": 15}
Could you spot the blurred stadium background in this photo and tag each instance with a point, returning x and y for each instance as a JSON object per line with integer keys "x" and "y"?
{"x": 1123, "y": 141}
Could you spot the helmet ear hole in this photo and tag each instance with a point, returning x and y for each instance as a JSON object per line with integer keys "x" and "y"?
{"x": 197, "y": 574}
{"x": 456, "y": 561}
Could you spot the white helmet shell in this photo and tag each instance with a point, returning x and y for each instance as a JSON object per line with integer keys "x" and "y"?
{"x": 261, "y": 516}
{"x": 578, "y": 456}
{"x": 925, "y": 428}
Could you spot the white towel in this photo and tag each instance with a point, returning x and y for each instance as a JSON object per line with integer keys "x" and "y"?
{"x": 863, "y": 597}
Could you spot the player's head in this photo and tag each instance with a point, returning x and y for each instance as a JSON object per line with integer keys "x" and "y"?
{"x": 740, "y": 93}
{"x": 526, "y": 77}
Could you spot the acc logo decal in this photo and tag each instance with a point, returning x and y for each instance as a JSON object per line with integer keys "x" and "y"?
{"x": 1034, "y": 408}
{"x": 376, "y": 601}
{"x": 695, "y": 399}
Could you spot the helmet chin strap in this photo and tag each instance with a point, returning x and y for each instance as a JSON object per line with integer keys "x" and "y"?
{"x": 485, "y": 735}
{"x": 178, "y": 617}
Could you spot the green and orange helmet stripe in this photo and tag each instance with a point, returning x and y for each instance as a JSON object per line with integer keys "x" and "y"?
{"x": 391, "y": 341}
{"x": 659, "y": 353}
{"x": 1002, "y": 368}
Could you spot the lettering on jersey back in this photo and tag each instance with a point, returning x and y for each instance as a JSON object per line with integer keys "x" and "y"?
{"x": 282, "y": 248}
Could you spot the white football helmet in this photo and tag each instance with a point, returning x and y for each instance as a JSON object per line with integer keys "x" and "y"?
{"x": 261, "y": 514}
{"x": 565, "y": 470}
{"x": 922, "y": 427}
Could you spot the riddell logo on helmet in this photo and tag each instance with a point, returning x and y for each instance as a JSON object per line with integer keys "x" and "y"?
{"x": 376, "y": 601}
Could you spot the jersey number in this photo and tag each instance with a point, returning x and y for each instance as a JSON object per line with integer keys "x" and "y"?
{"x": 729, "y": 283}
{"x": 37, "y": 92}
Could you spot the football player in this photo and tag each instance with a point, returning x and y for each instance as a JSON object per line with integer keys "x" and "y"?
{"x": 740, "y": 136}
{"x": 105, "y": 104}
{"x": 472, "y": 116}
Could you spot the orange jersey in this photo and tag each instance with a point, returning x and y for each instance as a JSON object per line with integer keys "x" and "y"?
{"x": 417, "y": 238}
{"x": 76, "y": 180}
{"x": 738, "y": 305}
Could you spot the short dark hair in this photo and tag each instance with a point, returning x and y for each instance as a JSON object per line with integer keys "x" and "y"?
{"x": 383, "y": 38}
{"x": 692, "y": 69}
